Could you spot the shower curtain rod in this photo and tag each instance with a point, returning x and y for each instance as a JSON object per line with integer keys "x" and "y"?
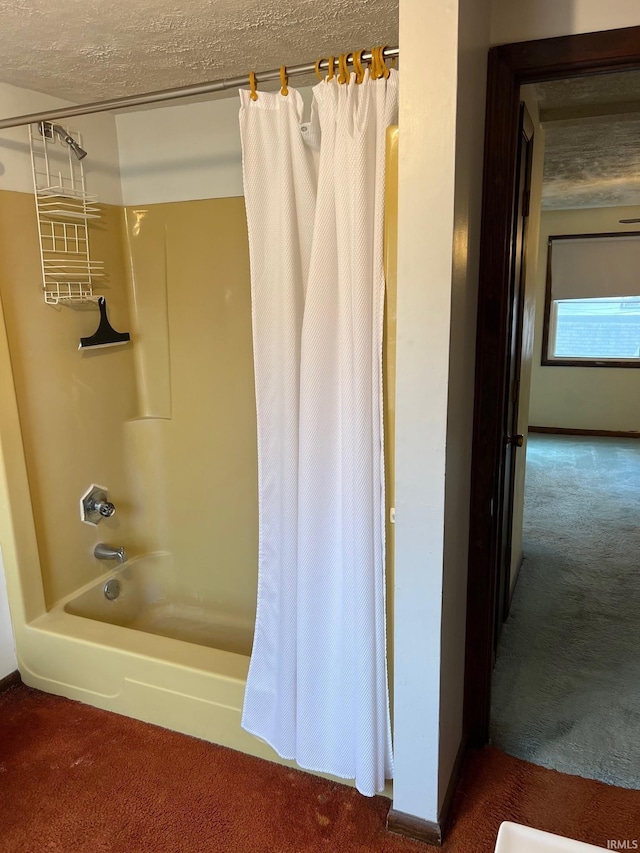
{"x": 180, "y": 92}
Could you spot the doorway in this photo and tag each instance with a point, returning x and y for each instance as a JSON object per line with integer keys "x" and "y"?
{"x": 564, "y": 690}
{"x": 510, "y": 67}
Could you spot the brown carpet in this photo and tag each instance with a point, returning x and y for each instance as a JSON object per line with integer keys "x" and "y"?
{"x": 73, "y": 778}
{"x": 495, "y": 787}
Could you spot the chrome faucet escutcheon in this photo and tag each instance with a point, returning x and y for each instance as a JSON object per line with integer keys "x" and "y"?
{"x": 95, "y": 505}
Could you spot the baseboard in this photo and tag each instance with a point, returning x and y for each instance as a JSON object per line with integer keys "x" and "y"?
{"x": 414, "y": 827}
{"x": 445, "y": 811}
{"x": 608, "y": 433}
{"x": 10, "y": 681}
{"x": 429, "y": 831}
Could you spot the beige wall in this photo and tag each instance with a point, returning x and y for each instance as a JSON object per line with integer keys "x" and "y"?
{"x": 528, "y": 325}
{"x": 195, "y": 438}
{"x": 605, "y": 398}
{"x": 183, "y": 152}
{"x": 473, "y": 43}
{"x": 439, "y": 218}
{"x": 72, "y": 404}
{"x": 429, "y": 45}
{"x": 521, "y": 20}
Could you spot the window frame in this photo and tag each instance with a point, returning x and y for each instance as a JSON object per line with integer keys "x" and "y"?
{"x": 548, "y": 331}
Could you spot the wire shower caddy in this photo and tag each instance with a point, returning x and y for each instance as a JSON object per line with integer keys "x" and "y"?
{"x": 64, "y": 209}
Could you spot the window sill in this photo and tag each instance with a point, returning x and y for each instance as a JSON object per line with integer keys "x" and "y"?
{"x": 569, "y": 362}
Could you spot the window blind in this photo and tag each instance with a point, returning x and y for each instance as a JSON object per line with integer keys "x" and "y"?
{"x": 588, "y": 268}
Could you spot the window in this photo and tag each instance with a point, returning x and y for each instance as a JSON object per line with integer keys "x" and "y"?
{"x": 592, "y": 312}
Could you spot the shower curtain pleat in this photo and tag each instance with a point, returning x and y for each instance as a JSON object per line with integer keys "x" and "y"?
{"x": 279, "y": 174}
{"x": 317, "y": 687}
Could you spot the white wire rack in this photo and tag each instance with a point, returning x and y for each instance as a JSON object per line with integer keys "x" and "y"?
{"x": 64, "y": 209}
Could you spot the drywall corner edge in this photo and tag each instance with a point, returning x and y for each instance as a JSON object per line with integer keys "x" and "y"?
{"x": 429, "y": 46}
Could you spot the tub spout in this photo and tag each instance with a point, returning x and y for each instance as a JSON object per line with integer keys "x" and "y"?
{"x": 102, "y": 551}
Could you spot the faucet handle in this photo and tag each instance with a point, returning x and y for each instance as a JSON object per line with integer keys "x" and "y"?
{"x": 105, "y": 508}
{"x": 95, "y": 505}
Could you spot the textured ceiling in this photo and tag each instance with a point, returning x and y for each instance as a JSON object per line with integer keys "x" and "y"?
{"x": 589, "y": 91}
{"x": 86, "y": 50}
{"x": 592, "y": 144}
{"x": 595, "y": 163}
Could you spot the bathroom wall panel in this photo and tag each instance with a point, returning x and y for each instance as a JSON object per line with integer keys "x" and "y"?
{"x": 197, "y": 491}
{"x": 206, "y": 469}
{"x": 146, "y": 250}
{"x": 72, "y": 404}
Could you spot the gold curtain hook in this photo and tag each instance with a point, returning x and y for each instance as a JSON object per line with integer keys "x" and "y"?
{"x": 331, "y": 62}
{"x": 357, "y": 64}
{"x": 283, "y": 81}
{"x": 374, "y": 73}
{"x": 384, "y": 70}
{"x": 343, "y": 76}
{"x": 253, "y": 86}
{"x": 318, "y": 72}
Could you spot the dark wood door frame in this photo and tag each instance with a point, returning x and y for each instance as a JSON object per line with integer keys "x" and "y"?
{"x": 510, "y": 443}
{"x": 509, "y": 67}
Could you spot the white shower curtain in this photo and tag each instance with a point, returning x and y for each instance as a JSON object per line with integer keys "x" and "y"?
{"x": 317, "y": 686}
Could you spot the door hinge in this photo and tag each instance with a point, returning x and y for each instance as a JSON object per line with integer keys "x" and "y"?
{"x": 526, "y": 203}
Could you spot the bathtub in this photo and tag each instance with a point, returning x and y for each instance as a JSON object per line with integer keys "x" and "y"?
{"x": 180, "y": 664}
{"x": 147, "y": 600}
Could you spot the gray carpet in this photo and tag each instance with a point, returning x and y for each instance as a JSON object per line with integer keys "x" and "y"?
{"x": 566, "y": 686}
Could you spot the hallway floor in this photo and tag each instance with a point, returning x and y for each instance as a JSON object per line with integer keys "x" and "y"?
{"x": 566, "y": 688}
{"x": 74, "y": 779}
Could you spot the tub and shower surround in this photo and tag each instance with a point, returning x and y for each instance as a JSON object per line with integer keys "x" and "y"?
{"x": 317, "y": 685}
{"x": 168, "y": 423}
{"x": 72, "y": 406}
